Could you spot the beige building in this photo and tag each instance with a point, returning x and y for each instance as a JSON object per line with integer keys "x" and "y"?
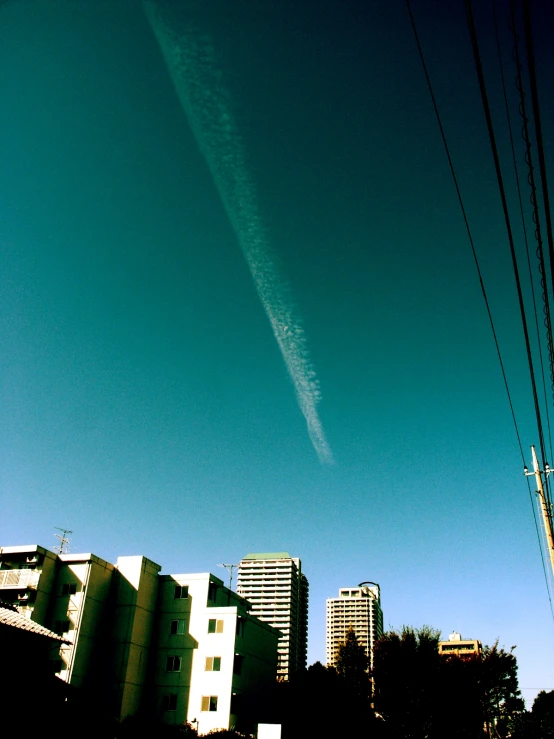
{"x": 457, "y": 645}
{"x": 359, "y": 608}
{"x": 275, "y": 586}
{"x": 182, "y": 647}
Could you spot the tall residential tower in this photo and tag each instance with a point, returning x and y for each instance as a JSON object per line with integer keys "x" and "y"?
{"x": 359, "y": 608}
{"x": 278, "y": 591}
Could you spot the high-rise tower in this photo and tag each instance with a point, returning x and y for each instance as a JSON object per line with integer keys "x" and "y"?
{"x": 278, "y": 591}
{"x": 359, "y": 608}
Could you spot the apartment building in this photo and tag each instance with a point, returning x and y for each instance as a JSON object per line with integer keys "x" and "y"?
{"x": 181, "y": 647}
{"x": 210, "y": 652}
{"x": 358, "y": 608}
{"x": 459, "y": 646}
{"x": 277, "y": 590}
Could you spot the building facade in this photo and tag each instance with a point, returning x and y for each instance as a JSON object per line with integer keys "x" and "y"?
{"x": 277, "y": 590}
{"x": 460, "y": 647}
{"x": 210, "y": 652}
{"x": 357, "y": 608}
{"x": 180, "y": 647}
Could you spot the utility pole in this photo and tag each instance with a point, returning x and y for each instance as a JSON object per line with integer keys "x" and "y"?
{"x": 544, "y": 504}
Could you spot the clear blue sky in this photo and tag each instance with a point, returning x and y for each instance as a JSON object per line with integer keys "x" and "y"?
{"x": 145, "y": 401}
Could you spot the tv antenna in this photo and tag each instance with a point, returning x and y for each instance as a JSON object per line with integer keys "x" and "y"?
{"x": 63, "y": 547}
{"x": 230, "y": 569}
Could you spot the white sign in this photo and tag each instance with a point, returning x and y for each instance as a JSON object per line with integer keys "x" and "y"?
{"x": 269, "y": 731}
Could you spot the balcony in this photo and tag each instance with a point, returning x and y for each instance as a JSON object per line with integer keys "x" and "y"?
{"x": 19, "y": 578}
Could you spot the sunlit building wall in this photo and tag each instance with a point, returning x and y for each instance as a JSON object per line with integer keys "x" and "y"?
{"x": 460, "y": 647}
{"x": 182, "y": 647}
{"x": 210, "y": 653}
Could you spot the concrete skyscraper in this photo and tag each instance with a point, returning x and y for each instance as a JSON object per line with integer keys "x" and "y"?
{"x": 278, "y": 591}
{"x": 359, "y": 608}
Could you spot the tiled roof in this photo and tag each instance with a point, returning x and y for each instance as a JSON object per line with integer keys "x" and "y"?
{"x": 13, "y": 618}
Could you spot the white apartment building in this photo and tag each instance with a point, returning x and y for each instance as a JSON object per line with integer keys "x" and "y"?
{"x": 277, "y": 590}
{"x": 181, "y": 647}
{"x": 359, "y": 608}
{"x": 210, "y": 653}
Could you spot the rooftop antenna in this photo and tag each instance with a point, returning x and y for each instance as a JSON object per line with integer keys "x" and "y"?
{"x": 63, "y": 548}
{"x": 230, "y": 569}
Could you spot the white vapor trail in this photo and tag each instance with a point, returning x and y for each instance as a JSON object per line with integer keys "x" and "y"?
{"x": 190, "y": 58}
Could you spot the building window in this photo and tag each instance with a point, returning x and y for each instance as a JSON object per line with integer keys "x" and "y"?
{"x": 212, "y": 591}
{"x": 215, "y": 626}
{"x": 213, "y": 664}
{"x": 209, "y": 703}
{"x": 240, "y": 626}
{"x": 237, "y": 664}
{"x": 173, "y": 664}
{"x": 69, "y": 588}
{"x": 169, "y": 702}
{"x": 181, "y": 592}
{"x": 61, "y": 627}
{"x": 177, "y": 626}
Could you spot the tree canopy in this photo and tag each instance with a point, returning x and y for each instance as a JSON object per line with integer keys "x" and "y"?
{"x": 352, "y": 664}
{"x": 421, "y": 694}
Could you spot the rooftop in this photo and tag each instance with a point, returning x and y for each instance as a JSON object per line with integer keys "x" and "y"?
{"x": 13, "y": 618}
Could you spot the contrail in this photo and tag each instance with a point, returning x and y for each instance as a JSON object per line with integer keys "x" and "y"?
{"x": 190, "y": 58}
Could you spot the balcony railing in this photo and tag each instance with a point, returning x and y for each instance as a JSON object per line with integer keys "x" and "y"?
{"x": 19, "y": 578}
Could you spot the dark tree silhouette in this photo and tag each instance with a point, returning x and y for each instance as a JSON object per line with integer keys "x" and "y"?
{"x": 406, "y": 676}
{"x": 352, "y": 665}
{"x": 500, "y": 697}
{"x": 420, "y": 694}
{"x": 543, "y": 713}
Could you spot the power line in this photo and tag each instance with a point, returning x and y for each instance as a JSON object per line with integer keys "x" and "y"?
{"x": 483, "y": 289}
{"x": 520, "y": 202}
{"x": 538, "y": 130}
{"x": 468, "y": 229}
{"x": 494, "y": 150}
{"x": 534, "y": 203}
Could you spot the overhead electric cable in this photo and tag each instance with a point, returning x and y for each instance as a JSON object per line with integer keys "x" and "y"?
{"x": 481, "y": 282}
{"x": 468, "y": 229}
{"x": 494, "y": 150}
{"x": 538, "y": 130}
{"x": 524, "y": 228}
{"x": 514, "y": 160}
{"x": 536, "y": 215}
{"x": 492, "y": 140}
{"x": 534, "y": 202}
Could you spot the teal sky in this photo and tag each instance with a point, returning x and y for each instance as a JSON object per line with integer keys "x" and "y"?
{"x": 145, "y": 401}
